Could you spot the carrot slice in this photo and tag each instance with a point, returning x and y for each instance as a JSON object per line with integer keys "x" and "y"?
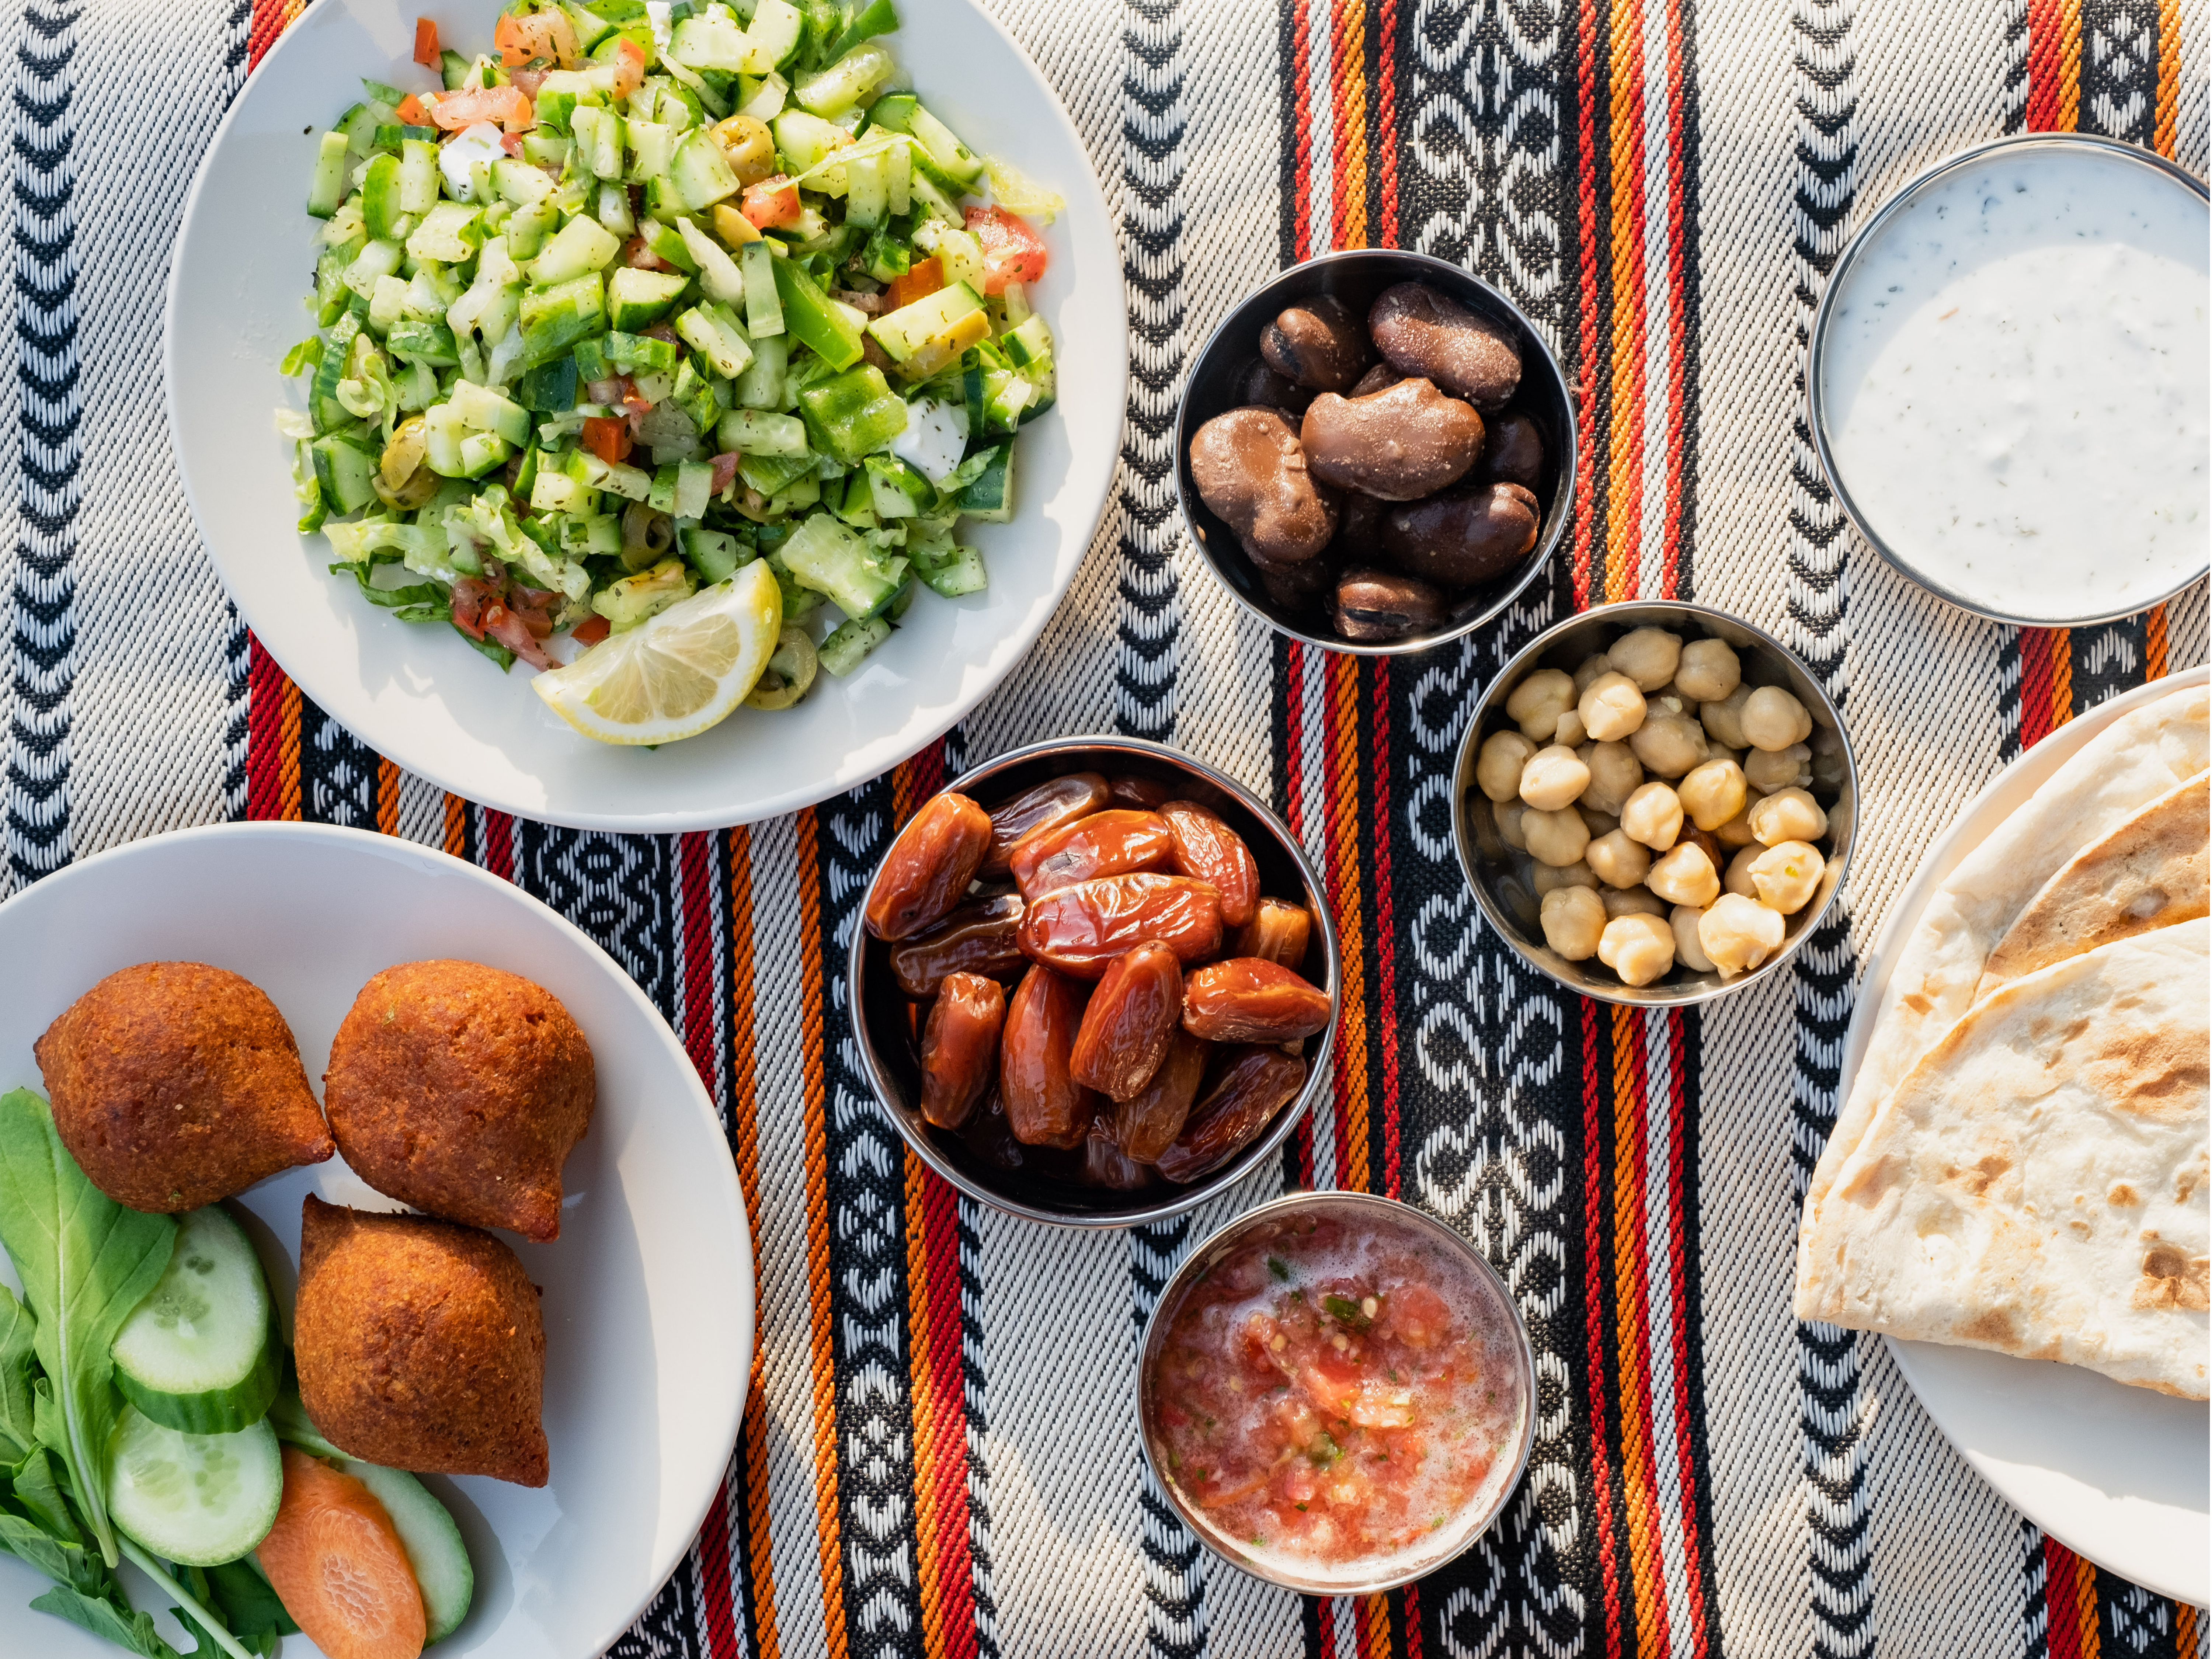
{"x": 426, "y": 43}
{"x": 922, "y": 278}
{"x": 411, "y": 111}
{"x": 338, "y": 1566}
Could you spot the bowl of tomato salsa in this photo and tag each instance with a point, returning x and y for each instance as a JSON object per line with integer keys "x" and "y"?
{"x": 1336, "y": 1393}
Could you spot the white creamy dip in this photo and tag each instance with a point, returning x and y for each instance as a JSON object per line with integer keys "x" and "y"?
{"x": 2016, "y": 387}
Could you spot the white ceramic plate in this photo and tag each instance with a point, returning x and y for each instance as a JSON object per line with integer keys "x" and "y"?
{"x": 418, "y": 694}
{"x": 2116, "y": 1473}
{"x": 648, "y": 1291}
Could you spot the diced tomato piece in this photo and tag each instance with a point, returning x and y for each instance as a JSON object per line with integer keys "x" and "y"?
{"x": 1011, "y": 252}
{"x": 923, "y": 278}
{"x": 505, "y": 105}
{"x": 546, "y": 34}
{"x": 513, "y": 632}
{"x": 411, "y": 112}
{"x": 511, "y": 143}
{"x": 530, "y": 79}
{"x": 426, "y": 43}
{"x": 770, "y": 202}
{"x": 607, "y": 437}
{"x": 629, "y": 67}
{"x": 470, "y": 596}
{"x": 1417, "y": 1316}
{"x": 591, "y": 630}
{"x": 725, "y": 471}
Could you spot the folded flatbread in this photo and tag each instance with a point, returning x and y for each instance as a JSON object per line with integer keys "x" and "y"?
{"x": 2130, "y": 764}
{"x": 2148, "y": 874}
{"x": 2037, "y": 1183}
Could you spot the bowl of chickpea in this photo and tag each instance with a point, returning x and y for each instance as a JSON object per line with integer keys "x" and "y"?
{"x": 1655, "y": 803}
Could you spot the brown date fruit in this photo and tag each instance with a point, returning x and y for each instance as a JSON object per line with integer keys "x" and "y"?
{"x": 1129, "y": 1022}
{"x": 1147, "y": 1124}
{"x": 1138, "y": 795}
{"x": 1208, "y": 849}
{"x": 1079, "y": 930}
{"x": 1045, "y": 1107}
{"x": 1247, "y": 1094}
{"x": 1277, "y": 932}
{"x": 1115, "y": 842}
{"x": 1250, "y": 999}
{"x": 1104, "y": 1163}
{"x": 960, "y": 1047}
{"x": 1052, "y": 803}
{"x": 988, "y": 1135}
{"x": 929, "y": 866}
{"x": 978, "y": 937}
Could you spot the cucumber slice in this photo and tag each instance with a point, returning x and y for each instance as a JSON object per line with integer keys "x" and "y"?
{"x": 198, "y": 1499}
{"x": 434, "y": 1549}
{"x": 196, "y": 1355}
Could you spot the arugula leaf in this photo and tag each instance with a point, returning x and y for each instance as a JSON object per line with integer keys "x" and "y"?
{"x": 245, "y": 1603}
{"x": 40, "y": 1495}
{"x": 85, "y": 1263}
{"x": 126, "y": 1629}
{"x": 66, "y": 1563}
{"x": 18, "y": 1362}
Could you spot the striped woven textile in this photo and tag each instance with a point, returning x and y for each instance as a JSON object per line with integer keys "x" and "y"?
{"x": 938, "y": 1452}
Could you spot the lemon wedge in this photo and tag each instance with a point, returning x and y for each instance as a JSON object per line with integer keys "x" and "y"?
{"x": 677, "y": 673}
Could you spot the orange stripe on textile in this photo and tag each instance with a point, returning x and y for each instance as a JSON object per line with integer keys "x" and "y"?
{"x": 270, "y": 17}
{"x": 2154, "y": 644}
{"x": 1631, "y": 1332}
{"x": 457, "y": 826}
{"x": 1373, "y": 1612}
{"x": 817, "y": 1233}
{"x": 288, "y": 751}
{"x": 1348, "y": 202}
{"x": 1302, "y": 144}
{"x": 2185, "y": 1629}
{"x": 2168, "y": 99}
{"x": 1343, "y": 842}
{"x": 1624, "y": 518}
{"x": 387, "y": 797}
{"x": 2054, "y": 65}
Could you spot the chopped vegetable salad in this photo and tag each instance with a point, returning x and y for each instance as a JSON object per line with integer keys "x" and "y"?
{"x": 654, "y": 289}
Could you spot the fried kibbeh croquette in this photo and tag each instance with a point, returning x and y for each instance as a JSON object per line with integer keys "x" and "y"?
{"x": 419, "y": 1345}
{"x": 461, "y": 1089}
{"x": 175, "y": 1085}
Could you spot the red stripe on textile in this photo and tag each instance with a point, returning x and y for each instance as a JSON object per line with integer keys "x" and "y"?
{"x": 268, "y": 23}
{"x": 1678, "y": 324}
{"x": 1294, "y": 814}
{"x": 264, "y": 727}
{"x": 499, "y": 843}
{"x": 1386, "y": 952}
{"x": 937, "y": 1349}
{"x": 2054, "y": 65}
{"x": 719, "y": 1613}
{"x": 1632, "y": 1281}
{"x": 1680, "y": 1267}
{"x": 1301, "y": 164}
{"x": 1596, "y": 1107}
{"x": 1592, "y": 321}
{"x": 2046, "y": 682}
{"x": 1411, "y": 1602}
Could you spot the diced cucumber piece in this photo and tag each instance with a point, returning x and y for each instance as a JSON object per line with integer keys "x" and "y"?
{"x": 947, "y": 151}
{"x": 377, "y": 260}
{"x": 196, "y": 1353}
{"x": 638, "y": 299}
{"x": 715, "y": 554}
{"x": 709, "y": 43}
{"x": 806, "y": 142}
{"x": 528, "y": 227}
{"x": 554, "y": 491}
{"x": 991, "y": 496}
{"x": 580, "y": 246}
{"x": 430, "y": 342}
{"x": 387, "y": 303}
{"x": 343, "y": 469}
{"x": 450, "y": 234}
{"x": 452, "y": 69}
{"x": 554, "y": 319}
{"x": 698, "y": 172}
{"x": 932, "y": 200}
{"x": 613, "y": 210}
{"x": 591, "y": 28}
{"x": 717, "y": 272}
{"x": 598, "y": 137}
{"x": 894, "y": 111}
{"x": 418, "y": 175}
{"x": 837, "y": 563}
{"x": 641, "y": 355}
{"x": 951, "y": 577}
{"x": 380, "y": 198}
{"x": 1029, "y": 343}
{"x": 550, "y": 388}
{"x": 772, "y": 36}
{"x": 899, "y": 492}
{"x": 328, "y": 187}
{"x": 960, "y": 253}
{"x": 482, "y": 409}
{"x": 836, "y": 88}
{"x": 480, "y": 451}
{"x": 849, "y": 642}
{"x": 904, "y": 332}
{"x": 197, "y": 1499}
{"x": 519, "y": 182}
{"x": 854, "y": 413}
{"x": 690, "y": 488}
{"x": 711, "y": 330}
{"x": 764, "y": 306}
{"x": 757, "y": 432}
{"x": 616, "y": 477}
{"x": 867, "y": 190}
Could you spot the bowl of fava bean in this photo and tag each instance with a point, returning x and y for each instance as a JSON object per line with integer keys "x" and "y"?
{"x": 1655, "y": 803}
{"x": 1095, "y": 982}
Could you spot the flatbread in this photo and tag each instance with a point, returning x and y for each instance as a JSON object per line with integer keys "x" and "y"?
{"x": 2130, "y": 764}
{"x": 2037, "y": 1184}
{"x": 2148, "y": 874}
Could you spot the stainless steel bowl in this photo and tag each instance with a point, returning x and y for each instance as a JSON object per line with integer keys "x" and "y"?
{"x": 1356, "y": 276}
{"x": 890, "y": 1048}
{"x": 1254, "y": 1222}
{"x": 1501, "y": 877}
{"x": 1838, "y": 283}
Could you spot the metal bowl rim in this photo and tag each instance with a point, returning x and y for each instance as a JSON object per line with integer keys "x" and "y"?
{"x": 1570, "y": 458}
{"x": 1816, "y": 356}
{"x": 1688, "y": 996}
{"x": 1253, "y": 1156}
{"x": 1179, "y": 1280}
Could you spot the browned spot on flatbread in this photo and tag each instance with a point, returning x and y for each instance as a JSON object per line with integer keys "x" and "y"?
{"x": 2150, "y": 1072}
{"x": 2123, "y": 1194}
{"x": 1992, "y": 1325}
{"x": 1918, "y": 1003}
{"x": 2189, "y": 1177}
{"x": 2173, "y": 1280}
{"x": 1977, "y": 1176}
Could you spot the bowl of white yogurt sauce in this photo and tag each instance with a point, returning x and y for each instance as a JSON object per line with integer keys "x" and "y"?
{"x": 2010, "y": 380}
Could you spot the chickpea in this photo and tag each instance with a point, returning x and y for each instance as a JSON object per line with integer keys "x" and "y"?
{"x": 1716, "y": 854}
{"x": 1573, "y": 920}
{"x": 1688, "y": 950}
{"x": 1709, "y": 671}
{"x": 1684, "y": 875}
{"x": 1665, "y": 701}
{"x": 1554, "y": 778}
{"x": 1712, "y": 794}
{"x": 1538, "y": 700}
{"x": 1550, "y": 880}
{"x": 1827, "y": 745}
{"x": 1723, "y": 721}
{"x": 1555, "y": 838}
{"x": 1631, "y": 902}
{"x": 1653, "y": 816}
{"x": 1497, "y": 764}
{"x": 1637, "y": 948}
{"x": 1739, "y": 933}
{"x": 1787, "y": 874}
{"x": 1614, "y": 773}
{"x": 1572, "y": 731}
{"x": 1787, "y": 814}
{"x": 1508, "y": 814}
{"x": 1618, "y": 861}
{"x": 1738, "y": 880}
{"x": 1736, "y": 832}
{"x": 1769, "y": 769}
{"x": 1648, "y": 656}
{"x": 1613, "y": 708}
{"x": 1594, "y": 669}
{"x": 1772, "y": 719}
{"x": 1670, "y": 745}
{"x": 1601, "y": 823}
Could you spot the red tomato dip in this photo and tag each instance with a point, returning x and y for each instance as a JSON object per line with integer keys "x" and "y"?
{"x": 1335, "y": 1394}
